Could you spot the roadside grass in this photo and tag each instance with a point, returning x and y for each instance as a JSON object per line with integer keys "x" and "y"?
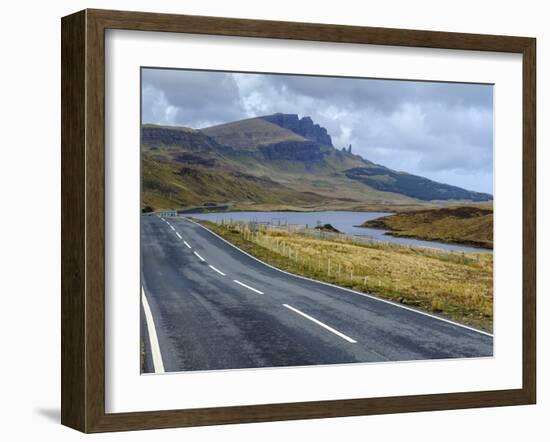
{"x": 458, "y": 286}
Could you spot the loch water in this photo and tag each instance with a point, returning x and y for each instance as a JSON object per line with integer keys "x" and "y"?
{"x": 344, "y": 221}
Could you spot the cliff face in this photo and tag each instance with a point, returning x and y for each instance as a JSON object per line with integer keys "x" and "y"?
{"x": 193, "y": 140}
{"x": 302, "y": 126}
{"x": 304, "y": 151}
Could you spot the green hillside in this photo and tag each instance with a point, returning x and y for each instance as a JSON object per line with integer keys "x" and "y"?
{"x": 171, "y": 185}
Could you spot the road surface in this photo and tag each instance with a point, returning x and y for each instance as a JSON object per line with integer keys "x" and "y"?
{"x": 207, "y": 305}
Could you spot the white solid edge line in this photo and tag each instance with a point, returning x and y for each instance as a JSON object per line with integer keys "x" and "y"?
{"x": 248, "y": 287}
{"x": 158, "y": 365}
{"x": 187, "y": 244}
{"x": 366, "y": 295}
{"x": 216, "y": 270}
{"x": 178, "y": 235}
{"x": 312, "y": 319}
{"x": 199, "y": 256}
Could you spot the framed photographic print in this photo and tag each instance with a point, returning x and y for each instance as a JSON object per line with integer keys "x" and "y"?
{"x": 269, "y": 220}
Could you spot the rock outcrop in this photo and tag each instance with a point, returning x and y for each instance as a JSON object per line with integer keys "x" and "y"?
{"x": 188, "y": 139}
{"x": 304, "y": 151}
{"x": 301, "y": 126}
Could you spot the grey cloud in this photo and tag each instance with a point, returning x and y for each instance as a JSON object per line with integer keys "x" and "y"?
{"x": 431, "y": 138}
{"x": 385, "y": 95}
{"x": 190, "y": 97}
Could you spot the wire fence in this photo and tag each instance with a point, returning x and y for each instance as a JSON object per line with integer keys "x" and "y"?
{"x": 271, "y": 235}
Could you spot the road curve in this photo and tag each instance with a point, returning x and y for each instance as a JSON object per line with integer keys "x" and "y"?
{"x": 210, "y": 306}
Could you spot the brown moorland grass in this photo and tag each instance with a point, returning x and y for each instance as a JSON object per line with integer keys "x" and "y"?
{"x": 463, "y": 225}
{"x": 458, "y": 286}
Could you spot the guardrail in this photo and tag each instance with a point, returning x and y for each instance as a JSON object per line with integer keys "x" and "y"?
{"x": 162, "y": 213}
{"x": 187, "y": 210}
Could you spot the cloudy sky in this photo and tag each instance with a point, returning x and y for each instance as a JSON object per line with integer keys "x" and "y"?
{"x": 443, "y": 131}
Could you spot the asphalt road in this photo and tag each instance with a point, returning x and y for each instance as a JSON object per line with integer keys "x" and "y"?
{"x": 209, "y": 306}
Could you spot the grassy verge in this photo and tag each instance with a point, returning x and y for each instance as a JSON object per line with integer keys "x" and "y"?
{"x": 455, "y": 285}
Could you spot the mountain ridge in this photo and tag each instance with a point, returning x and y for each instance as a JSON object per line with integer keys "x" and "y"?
{"x": 249, "y": 133}
{"x": 304, "y": 163}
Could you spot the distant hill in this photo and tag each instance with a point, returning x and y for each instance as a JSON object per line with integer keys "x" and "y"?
{"x": 382, "y": 178}
{"x": 462, "y": 225}
{"x": 250, "y": 134}
{"x": 278, "y": 160}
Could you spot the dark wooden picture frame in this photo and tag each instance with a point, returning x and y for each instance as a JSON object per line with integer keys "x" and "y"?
{"x": 83, "y": 220}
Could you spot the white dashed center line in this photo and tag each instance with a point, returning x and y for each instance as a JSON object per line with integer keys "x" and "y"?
{"x": 248, "y": 287}
{"x": 187, "y": 244}
{"x": 172, "y": 227}
{"x": 216, "y": 270}
{"x": 199, "y": 256}
{"x": 330, "y": 329}
{"x": 178, "y": 235}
